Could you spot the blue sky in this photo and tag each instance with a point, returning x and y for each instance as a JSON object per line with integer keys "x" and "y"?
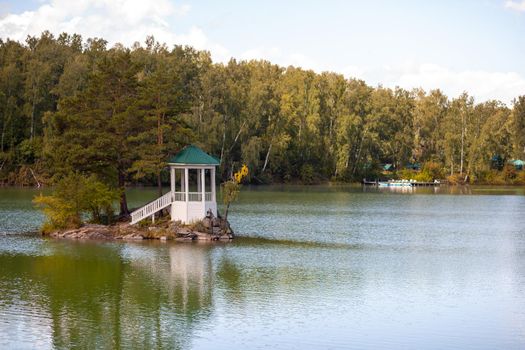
{"x": 477, "y": 46}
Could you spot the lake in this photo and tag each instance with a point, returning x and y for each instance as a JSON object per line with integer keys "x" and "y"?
{"x": 321, "y": 267}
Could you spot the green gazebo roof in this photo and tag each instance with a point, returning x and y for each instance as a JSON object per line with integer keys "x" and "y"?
{"x": 193, "y": 155}
{"x": 518, "y": 162}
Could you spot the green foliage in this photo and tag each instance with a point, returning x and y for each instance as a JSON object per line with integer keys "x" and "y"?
{"x": 231, "y": 188}
{"x": 423, "y": 176}
{"x": 491, "y": 177}
{"x": 457, "y": 179}
{"x": 74, "y": 197}
{"x": 72, "y": 105}
{"x": 520, "y": 178}
{"x": 230, "y": 191}
{"x": 431, "y": 171}
{"x": 509, "y": 172}
{"x": 307, "y": 174}
{"x": 406, "y": 174}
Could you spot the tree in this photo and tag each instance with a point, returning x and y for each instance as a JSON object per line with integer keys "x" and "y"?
{"x": 161, "y": 99}
{"x": 72, "y": 105}
{"x": 518, "y": 127}
{"x": 231, "y": 189}
{"x": 92, "y": 131}
{"x": 73, "y": 196}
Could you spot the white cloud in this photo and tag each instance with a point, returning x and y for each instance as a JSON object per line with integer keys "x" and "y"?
{"x": 352, "y": 71}
{"x": 515, "y": 5}
{"x": 277, "y": 56}
{"x": 117, "y": 21}
{"x": 483, "y": 85}
{"x": 127, "y": 21}
{"x": 271, "y": 54}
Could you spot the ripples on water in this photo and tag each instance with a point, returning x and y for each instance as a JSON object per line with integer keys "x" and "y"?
{"x": 315, "y": 268}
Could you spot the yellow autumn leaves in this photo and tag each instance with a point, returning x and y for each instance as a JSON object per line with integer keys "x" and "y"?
{"x": 241, "y": 174}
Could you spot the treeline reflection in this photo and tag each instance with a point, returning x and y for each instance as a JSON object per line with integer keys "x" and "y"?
{"x": 87, "y": 295}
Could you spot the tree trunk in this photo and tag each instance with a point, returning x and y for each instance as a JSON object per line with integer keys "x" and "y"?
{"x": 159, "y": 184}
{"x": 124, "y": 211}
{"x": 226, "y": 212}
{"x": 462, "y": 150}
{"x": 223, "y": 139}
{"x": 160, "y": 143}
{"x": 3, "y": 136}
{"x": 266, "y": 158}
{"x": 358, "y": 157}
{"x": 33, "y": 115}
{"x": 237, "y": 136}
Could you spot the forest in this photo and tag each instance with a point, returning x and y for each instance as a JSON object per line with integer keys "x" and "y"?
{"x": 73, "y": 105}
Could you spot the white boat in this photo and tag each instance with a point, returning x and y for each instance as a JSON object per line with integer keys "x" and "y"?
{"x": 396, "y": 183}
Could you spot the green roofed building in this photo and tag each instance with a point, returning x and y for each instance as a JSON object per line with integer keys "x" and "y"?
{"x": 193, "y": 155}
{"x": 193, "y": 193}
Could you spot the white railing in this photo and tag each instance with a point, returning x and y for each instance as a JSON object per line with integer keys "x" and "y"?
{"x": 192, "y": 196}
{"x": 151, "y": 208}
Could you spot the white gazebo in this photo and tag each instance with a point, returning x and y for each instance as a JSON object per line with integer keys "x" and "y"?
{"x": 192, "y": 194}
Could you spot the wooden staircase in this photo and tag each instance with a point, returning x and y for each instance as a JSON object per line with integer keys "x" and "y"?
{"x": 151, "y": 208}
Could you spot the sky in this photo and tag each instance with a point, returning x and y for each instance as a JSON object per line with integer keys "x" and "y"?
{"x": 476, "y": 46}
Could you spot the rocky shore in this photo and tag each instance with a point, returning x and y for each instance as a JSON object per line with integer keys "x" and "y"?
{"x": 208, "y": 229}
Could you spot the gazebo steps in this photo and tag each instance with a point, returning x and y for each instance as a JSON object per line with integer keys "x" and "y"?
{"x": 151, "y": 208}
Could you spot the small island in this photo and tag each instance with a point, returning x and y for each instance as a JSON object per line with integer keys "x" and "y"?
{"x": 208, "y": 229}
{"x": 191, "y": 204}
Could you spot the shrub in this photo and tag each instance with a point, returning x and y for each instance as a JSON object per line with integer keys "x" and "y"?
{"x": 509, "y": 172}
{"x": 307, "y": 174}
{"x": 434, "y": 170}
{"x": 456, "y": 179}
{"x": 423, "y": 176}
{"x": 74, "y": 197}
{"x": 406, "y": 174}
{"x": 520, "y": 178}
{"x": 492, "y": 177}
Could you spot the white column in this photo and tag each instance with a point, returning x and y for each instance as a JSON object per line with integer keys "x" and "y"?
{"x": 213, "y": 199}
{"x": 199, "y": 180}
{"x": 186, "y": 187}
{"x": 203, "y": 185}
{"x": 172, "y": 182}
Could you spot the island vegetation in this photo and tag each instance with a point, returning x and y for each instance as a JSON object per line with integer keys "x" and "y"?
{"x": 114, "y": 115}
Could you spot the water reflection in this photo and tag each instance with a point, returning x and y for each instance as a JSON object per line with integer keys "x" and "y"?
{"x": 107, "y": 295}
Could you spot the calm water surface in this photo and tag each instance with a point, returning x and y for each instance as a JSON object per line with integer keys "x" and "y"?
{"x": 315, "y": 268}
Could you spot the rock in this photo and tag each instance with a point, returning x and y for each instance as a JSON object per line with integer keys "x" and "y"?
{"x": 214, "y": 229}
{"x": 183, "y": 230}
{"x": 216, "y": 222}
{"x": 184, "y": 239}
{"x": 132, "y": 237}
{"x": 207, "y": 222}
{"x": 202, "y": 236}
